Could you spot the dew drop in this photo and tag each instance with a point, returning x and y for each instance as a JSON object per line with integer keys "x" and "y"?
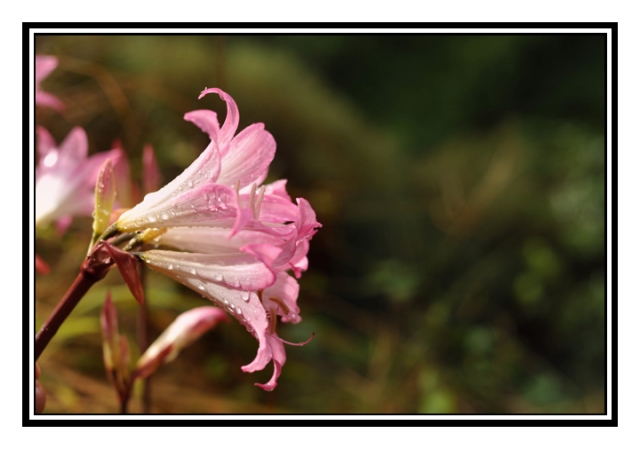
{"x": 226, "y": 302}
{"x": 152, "y": 219}
{"x": 245, "y": 296}
{"x": 217, "y": 277}
{"x": 193, "y": 271}
{"x": 165, "y": 216}
{"x": 170, "y": 266}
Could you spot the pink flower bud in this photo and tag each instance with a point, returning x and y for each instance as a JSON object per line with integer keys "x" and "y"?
{"x": 151, "y": 177}
{"x": 186, "y": 329}
{"x": 105, "y": 195}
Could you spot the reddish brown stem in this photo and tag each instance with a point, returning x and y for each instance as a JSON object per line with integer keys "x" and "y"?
{"x": 93, "y": 269}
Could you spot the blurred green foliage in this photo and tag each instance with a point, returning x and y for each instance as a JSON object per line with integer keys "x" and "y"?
{"x": 460, "y": 182}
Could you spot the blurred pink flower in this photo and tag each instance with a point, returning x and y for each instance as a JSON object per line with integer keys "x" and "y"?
{"x": 66, "y": 177}
{"x": 128, "y": 192}
{"x": 151, "y": 177}
{"x": 44, "y": 66}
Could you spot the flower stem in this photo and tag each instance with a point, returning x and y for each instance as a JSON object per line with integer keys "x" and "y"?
{"x": 77, "y": 290}
{"x": 93, "y": 269}
{"x": 124, "y": 405}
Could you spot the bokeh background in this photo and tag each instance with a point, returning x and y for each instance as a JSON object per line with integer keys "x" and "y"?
{"x": 460, "y": 183}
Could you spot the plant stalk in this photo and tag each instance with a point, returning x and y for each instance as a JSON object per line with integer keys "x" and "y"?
{"x": 94, "y": 268}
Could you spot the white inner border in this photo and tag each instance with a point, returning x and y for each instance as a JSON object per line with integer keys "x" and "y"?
{"x": 32, "y": 330}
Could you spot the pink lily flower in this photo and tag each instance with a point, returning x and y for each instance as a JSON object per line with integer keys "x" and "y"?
{"x": 44, "y": 66}
{"x": 232, "y": 241}
{"x": 66, "y": 177}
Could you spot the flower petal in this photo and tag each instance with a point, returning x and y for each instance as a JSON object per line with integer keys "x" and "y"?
{"x": 248, "y": 157}
{"x": 307, "y": 224}
{"x": 204, "y": 169}
{"x": 278, "y": 188}
{"x": 277, "y": 209}
{"x": 44, "y": 66}
{"x": 46, "y": 99}
{"x": 299, "y": 261}
{"x": 75, "y": 146}
{"x": 46, "y": 143}
{"x": 285, "y": 290}
{"x": 235, "y": 270}
{"x": 207, "y": 205}
{"x": 212, "y": 240}
{"x": 206, "y": 120}
{"x": 279, "y": 358}
{"x": 230, "y": 122}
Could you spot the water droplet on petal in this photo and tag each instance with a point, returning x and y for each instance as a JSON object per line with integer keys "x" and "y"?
{"x": 193, "y": 271}
{"x": 245, "y": 296}
{"x": 165, "y": 216}
{"x": 170, "y": 266}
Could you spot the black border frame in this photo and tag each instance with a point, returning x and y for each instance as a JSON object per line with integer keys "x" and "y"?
{"x": 259, "y": 421}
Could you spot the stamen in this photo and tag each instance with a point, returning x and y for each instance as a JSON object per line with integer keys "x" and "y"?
{"x": 252, "y": 200}
{"x": 282, "y": 305}
{"x": 238, "y": 190}
{"x": 297, "y": 344}
{"x": 273, "y": 321}
{"x": 259, "y": 203}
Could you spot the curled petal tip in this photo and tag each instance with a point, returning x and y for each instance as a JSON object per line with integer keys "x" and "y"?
{"x": 211, "y": 90}
{"x": 272, "y": 384}
{"x": 267, "y": 387}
